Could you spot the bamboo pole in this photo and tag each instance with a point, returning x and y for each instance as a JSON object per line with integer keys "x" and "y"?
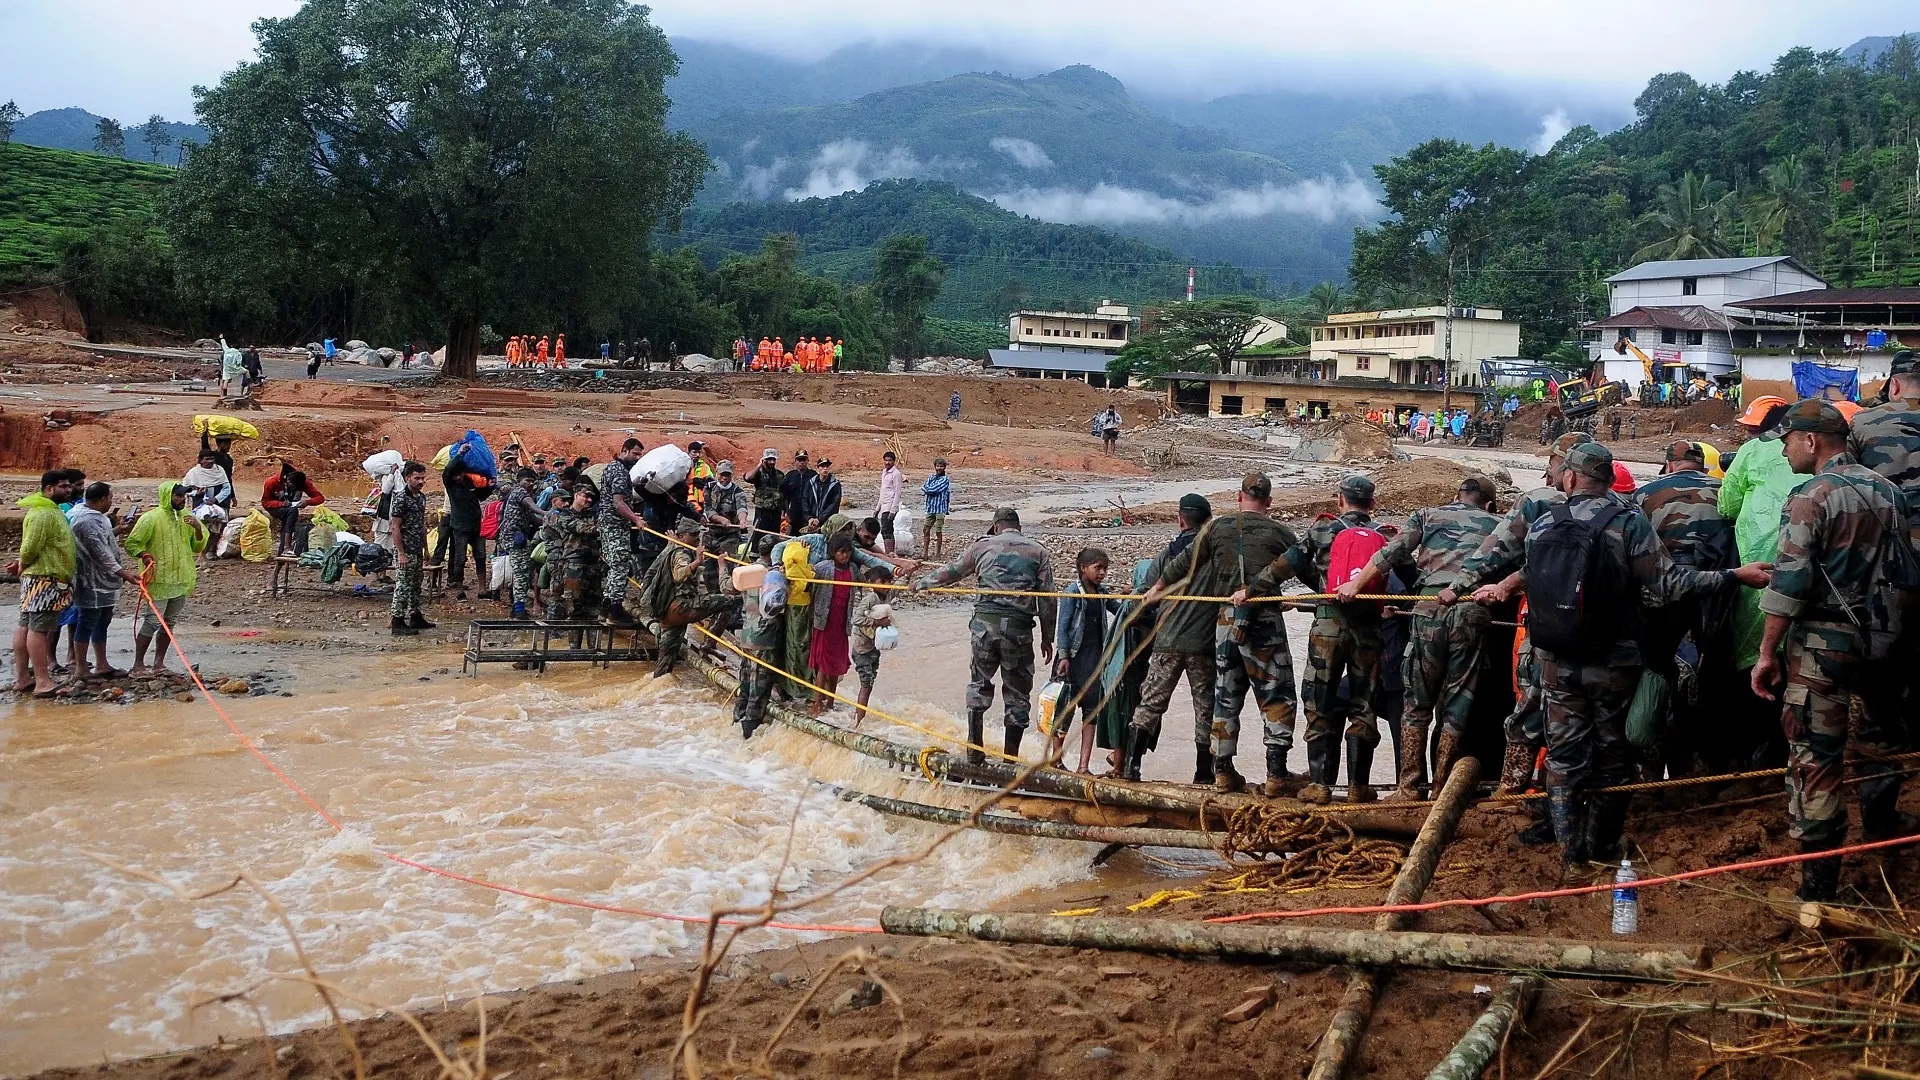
{"x": 941, "y": 764}
{"x": 1305, "y": 944}
{"x": 1469, "y": 1057}
{"x": 1356, "y": 1005}
{"x": 1020, "y": 826}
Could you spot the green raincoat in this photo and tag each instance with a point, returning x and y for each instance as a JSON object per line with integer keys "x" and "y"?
{"x": 1753, "y": 494}
{"x": 46, "y": 541}
{"x": 166, "y": 536}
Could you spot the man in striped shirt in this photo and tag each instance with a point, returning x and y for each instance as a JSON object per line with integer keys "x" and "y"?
{"x": 939, "y": 493}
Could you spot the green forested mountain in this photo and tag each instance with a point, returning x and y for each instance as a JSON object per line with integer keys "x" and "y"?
{"x": 1815, "y": 157}
{"x": 997, "y": 260}
{"x": 74, "y": 129}
{"x": 720, "y": 79}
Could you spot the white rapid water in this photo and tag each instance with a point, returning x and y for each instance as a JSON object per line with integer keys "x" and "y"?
{"x": 628, "y": 792}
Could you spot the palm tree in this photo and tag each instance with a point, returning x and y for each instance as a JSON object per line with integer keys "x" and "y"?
{"x": 1686, "y": 224}
{"x": 1786, "y": 206}
{"x": 1323, "y": 300}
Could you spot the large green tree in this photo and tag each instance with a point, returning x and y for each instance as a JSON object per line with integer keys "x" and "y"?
{"x": 465, "y": 160}
{"x": 905, "y": 282}
{"x": 1204, "y": 333}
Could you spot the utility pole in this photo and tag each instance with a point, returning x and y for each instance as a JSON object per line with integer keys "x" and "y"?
{"x": 1446, "y": 390}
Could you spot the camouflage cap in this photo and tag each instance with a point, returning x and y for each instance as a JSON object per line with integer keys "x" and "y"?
{"x": 1357, "y": 487}
{"x": 1007, "y": 515}
{"x": 1905, "y": 362}
{"x": 686, "y": 525}
{"x": 1814, "y": 415}
{"x": 725, "y": 467}
{"x": 1567, "y": 442}
{"x": 1257, "y": 485}
{"x": 1591, "y": 459}
{"x": 1481, "y": 483}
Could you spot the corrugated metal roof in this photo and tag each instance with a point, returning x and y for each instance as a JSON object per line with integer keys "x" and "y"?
{"x": 1818, "y": 298}
{"x": 1049, "y": 359}
{"x": 1675, "y": 268}
{"x": 1665, "y": 318}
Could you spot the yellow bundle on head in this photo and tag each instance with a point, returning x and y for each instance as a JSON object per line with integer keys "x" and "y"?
{"x": 796, "y": 562}
{"x": 224, "y": 427}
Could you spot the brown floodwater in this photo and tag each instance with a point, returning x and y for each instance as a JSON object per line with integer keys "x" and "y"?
{"x": 607, "y": 786}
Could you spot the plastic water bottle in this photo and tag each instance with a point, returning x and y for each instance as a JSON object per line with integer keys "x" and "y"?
{"x": 1626, "y": 902}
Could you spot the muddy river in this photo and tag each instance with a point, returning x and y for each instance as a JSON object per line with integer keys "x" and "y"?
{"x": 612, "y": 787}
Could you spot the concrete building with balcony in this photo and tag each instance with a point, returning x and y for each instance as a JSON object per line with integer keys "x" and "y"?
{"x": 1065, "y": 344}
{"x": 1409, "y": 346}
{"x": 1838, "y": 331}
{"x": 1681, "y": 313}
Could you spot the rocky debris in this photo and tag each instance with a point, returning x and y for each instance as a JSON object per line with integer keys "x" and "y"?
{"x": 236, "y": 687}
{"x": 946, "y": 365}
{"x": 1345, "y": 440}
{"x": 1256, "y": 1002}
{"x": 705, "y": 364}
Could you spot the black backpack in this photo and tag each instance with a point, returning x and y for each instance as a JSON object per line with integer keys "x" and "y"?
{"x": 1580, "y": 595}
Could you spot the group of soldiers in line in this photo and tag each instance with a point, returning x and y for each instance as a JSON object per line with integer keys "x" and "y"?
{"x": 1833, "y": 602}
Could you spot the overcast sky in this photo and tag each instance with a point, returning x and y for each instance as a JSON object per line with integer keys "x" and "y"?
{"x": 129, "y": 58}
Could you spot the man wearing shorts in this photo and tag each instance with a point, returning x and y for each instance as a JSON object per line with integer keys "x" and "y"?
{"x": 938, "y": 491}
{"x": 887, "y": 507}
{"x": 45, "y": 566}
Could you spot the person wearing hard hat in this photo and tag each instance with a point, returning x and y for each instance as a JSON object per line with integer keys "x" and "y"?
{"x": 1751, "y": 496}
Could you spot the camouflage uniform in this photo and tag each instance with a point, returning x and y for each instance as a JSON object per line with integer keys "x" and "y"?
{"x": 616, "y": 540}
{"x": 409, "y": 517}
{"x": 1344, "y": 640}
{"x": 1183, "y": 633}
{"x": 1684, "y": 509}
{"x": 1444, "y": 652}
{"x": 1886, "y": 439}
{"x": 1587, "y": 696}
{"x": 519, "y": 519}
{"x": 1250, "y": 642}
{"x": 572, "y": 541}
{"x": 690, "y": 604}
{"x": 762, "y": 636}
{"x": 1833, "y": 569}
{"x": 1002, "y": 627}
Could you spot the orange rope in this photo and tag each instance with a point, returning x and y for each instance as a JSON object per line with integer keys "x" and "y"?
{"x": 431, "y": 869}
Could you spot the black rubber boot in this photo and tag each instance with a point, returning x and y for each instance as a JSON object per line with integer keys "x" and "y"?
{"x": 1880, "y": 817}
{"x": 1323, "y": 758}
{"x": 976, "y": 735}
{"x": 1012, "y": 745}
{"x": 1279, "y": 780}
{"x": 1136, "y": 749}
{"x": 1359, "y": 770}
{"x": 1569, "y": 825}
{"x": 419, "y": 622}
{"x": 1540, "y": 832}
{"x": 1606, "y": 821}
{"x": 1203, "y": 763}
{"x": 1819, "y": 878}
{"x": 401, "y": 629}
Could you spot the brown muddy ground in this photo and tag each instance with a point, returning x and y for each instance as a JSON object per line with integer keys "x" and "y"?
{"x": 955, "y": 1009}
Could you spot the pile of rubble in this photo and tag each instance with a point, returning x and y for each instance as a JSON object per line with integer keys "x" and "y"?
{"x": 945, "y": 365}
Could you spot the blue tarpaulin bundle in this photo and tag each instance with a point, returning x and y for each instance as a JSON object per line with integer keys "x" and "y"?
{"x": 478, "y": 456}
{"x": 1811, "y": 380}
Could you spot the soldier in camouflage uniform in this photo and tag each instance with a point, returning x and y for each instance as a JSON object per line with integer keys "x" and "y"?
{"x": 572, "y": 541}
{"x": 409, "y": 516}
{"x": 1587, "y": 695}
{"x": 520, "y": 518}
{"x": 1002, "y": 628}
{"x": 1683, "y": 506}
{"x": 1183, "y": 632}
{"x": 1250, "y": 640}
{"x": 1497, "y": 558}
{"x": 763, "y": 635}
{"x": 1344, "y": 640}
{"x": 1443, "y": 654}
{"x": 1886, "y": 439}
{"x": 617, "y": 520}
{"x": 691, "y": 601}
{"x": 1844, "y": 566}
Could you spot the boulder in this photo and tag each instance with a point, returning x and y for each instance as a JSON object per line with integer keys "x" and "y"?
{"x": 356, "y": 344}
{"x": 388, "y": 355}
{"x": 361, "y": 355}
{"x": 703, "y": 363}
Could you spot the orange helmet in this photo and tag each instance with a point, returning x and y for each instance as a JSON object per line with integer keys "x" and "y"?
{"x": 1757, "y": 409}
{"x": 1847, "y": 409}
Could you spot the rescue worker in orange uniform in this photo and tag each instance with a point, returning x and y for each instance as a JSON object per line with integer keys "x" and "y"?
{"x": 560, "y": 351}
{"x": 543, "y": 354}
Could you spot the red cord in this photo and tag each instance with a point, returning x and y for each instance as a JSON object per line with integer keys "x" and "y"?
{"x": 481, "y": 882}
